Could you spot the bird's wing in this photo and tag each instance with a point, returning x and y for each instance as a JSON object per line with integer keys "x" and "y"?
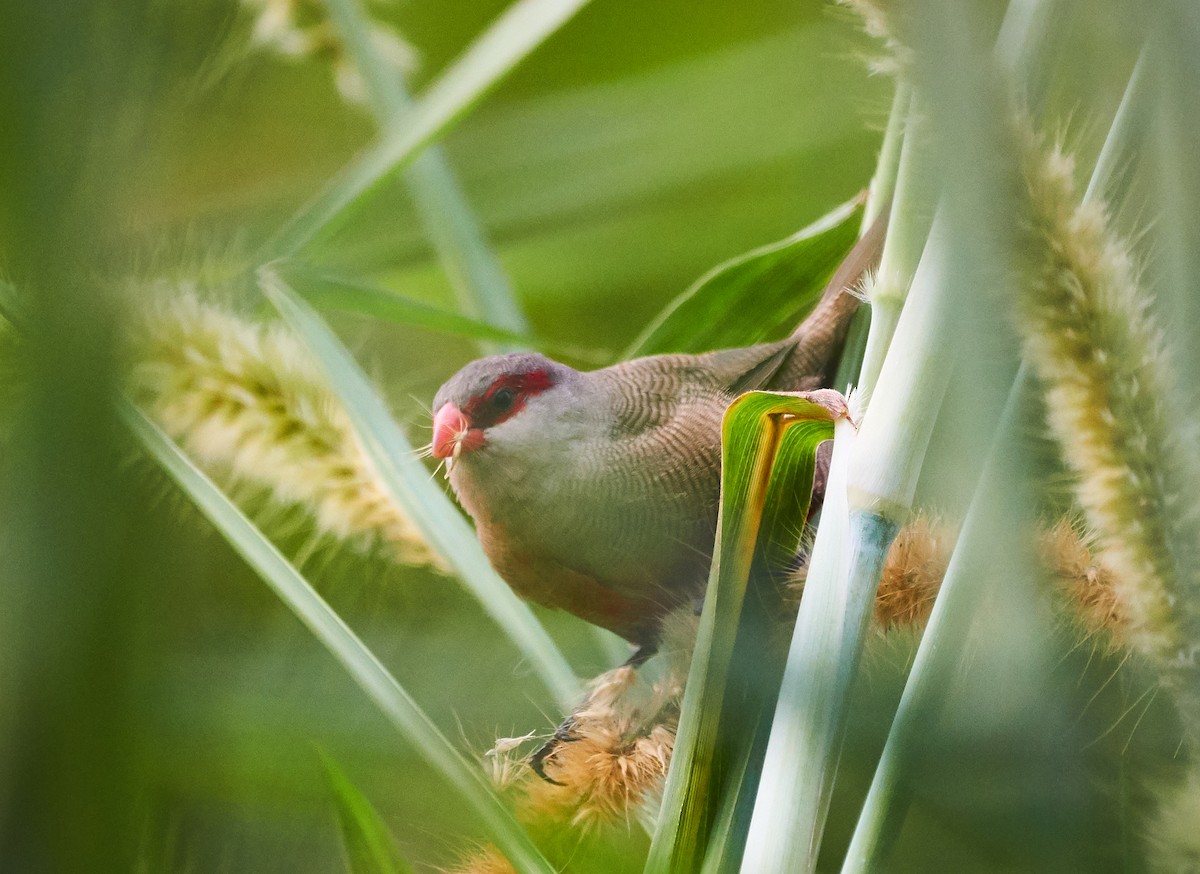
{"x": 647, "y": 393}
{"x": 762, "y": 373}
{"x": 765, "y": 366}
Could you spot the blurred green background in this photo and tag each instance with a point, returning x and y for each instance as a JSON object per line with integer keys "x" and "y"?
{"x": 158, "y": 698}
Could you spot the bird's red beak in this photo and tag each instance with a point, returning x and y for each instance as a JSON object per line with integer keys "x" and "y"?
{"x": 453, "y": 434}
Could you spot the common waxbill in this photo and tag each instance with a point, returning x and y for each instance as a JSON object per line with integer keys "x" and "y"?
{"x": 596, "y": 492}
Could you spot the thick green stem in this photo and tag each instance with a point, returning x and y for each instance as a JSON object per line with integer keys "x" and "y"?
{"x": 992, "y": 521}
{"x": 908, "y": 229}
{"x": 883, "y": 183}
{"x": 879, "y": 198}
{"x": 810, "y": 719}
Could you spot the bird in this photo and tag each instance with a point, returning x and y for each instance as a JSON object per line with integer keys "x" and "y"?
{"x": 596, "y": 492}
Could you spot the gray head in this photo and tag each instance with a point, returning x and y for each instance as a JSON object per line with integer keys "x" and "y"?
{"x": 494, "y": 392}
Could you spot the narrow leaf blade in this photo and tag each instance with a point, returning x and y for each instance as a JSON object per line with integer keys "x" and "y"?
{"x": 474, "y": 270}
{"x": 768, "y": 459}
{"x": 329, "y": 291}
{"x": 755, "y": 295}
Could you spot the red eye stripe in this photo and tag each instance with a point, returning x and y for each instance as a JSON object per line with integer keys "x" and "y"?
{"x": 480, "y": 411}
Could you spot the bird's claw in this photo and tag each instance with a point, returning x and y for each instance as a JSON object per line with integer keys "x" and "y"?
{"x": 641, "y": 655}
{"x": 562, "y": 735}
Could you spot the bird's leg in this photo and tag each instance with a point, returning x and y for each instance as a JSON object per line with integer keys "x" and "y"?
{"x": 641, "y": 655}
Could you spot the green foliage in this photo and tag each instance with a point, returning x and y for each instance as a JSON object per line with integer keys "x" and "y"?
{"x": 515, "y": 34}
{"x": 473, "y": 267}
{"x": 758, "y": 295}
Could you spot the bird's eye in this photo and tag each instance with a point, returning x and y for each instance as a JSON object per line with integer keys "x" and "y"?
{"x": 503, "y": 399}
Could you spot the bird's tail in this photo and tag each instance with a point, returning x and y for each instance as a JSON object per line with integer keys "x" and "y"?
{"x": 819, "y": 338}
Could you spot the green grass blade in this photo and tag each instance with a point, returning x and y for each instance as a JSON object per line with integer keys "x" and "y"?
{"x": 880, "y": 196}
{"x": 476, "y": 275}
{"x": 757, "y": 295}
{"x": 362, "y": 665}
{"x": 758, "y": 659}
{"x": 475, "y": 272}
{"x": 366, "y": 840}
{"x": 769, "y": 447}
{"x": 519, "y": 30}
{"x": 1110, "y": 176}
{"x": 1023, "y": 47}
{"x": 330, "y": 291}
{"x": 887, "y": 168}
{"x": 384, "y": 86}
{"x": 992, "y": 523}
{"x": 413, "y": 489}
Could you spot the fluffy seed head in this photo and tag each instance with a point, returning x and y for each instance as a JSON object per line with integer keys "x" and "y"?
{"x": 615, "y": 760}
{"x": 485, "y": 860}
{"x": 1111, "y": 406}
{"x": 1085, "y": 584}
{"x": 247, "y": 398}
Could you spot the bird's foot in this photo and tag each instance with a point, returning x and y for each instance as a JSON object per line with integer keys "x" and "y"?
{"x": 607, "y": 686}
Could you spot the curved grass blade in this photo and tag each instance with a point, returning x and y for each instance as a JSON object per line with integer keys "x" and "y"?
{"x": 366, "y": 840}
{"x": 330, "y": 291}
{"x": 519, "y": 30}
{"x": 757, "y": 665}
{"x": 768, "y": 460}
{"x": 757, "y": 295}
{"x": 381, "y": 687}
{"x": 413, "y": 490}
